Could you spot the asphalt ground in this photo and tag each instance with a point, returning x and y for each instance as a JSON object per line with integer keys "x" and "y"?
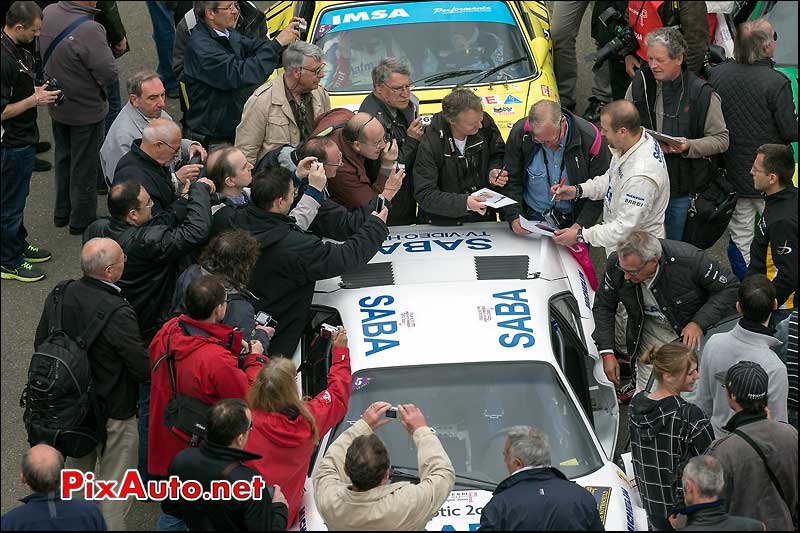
{"x": 22, "y": 302}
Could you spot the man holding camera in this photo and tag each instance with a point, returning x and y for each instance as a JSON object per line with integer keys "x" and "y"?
{"x": 81, "y": 62}
{"x": 150, "y": 163}
{"x": 369, "y": 501}
{"x": 20, "y": 98}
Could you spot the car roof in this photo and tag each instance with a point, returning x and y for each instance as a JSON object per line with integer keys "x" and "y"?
{"x": 435, "y": 295}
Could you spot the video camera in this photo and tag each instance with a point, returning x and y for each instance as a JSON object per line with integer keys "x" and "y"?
{"x": 623, "y": 43}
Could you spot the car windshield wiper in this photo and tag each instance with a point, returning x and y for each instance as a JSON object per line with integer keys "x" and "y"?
{"x": 412, "y": 474}
{"x": 446, "y": 75}
{"x": 486, "y": 73}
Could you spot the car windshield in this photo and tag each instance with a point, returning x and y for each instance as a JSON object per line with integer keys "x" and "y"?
{"x": 783, "y": 18}
{"x": 449, "y": 43}
{"x": 471, "y": 407}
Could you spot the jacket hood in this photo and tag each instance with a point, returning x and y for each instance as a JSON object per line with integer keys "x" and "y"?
{"x": 787, "y": 194}
{"x": 136, "y": 148}
{"x": 534, "y": 474}
{"x": 226, "y": 453}
{"x": 190, "y": 335}
{"x": 282, "y": 430}
{"x": 267, "y": 227}
{"x": 651, "y": 416}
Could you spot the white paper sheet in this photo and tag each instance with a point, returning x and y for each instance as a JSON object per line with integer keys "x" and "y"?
{"x": 537, "y": 227}
{"x": 494, "y": 199}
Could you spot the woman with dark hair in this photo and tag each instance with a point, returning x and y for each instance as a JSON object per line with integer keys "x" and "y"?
{"x": 666, "y": 431}
{"x": 286, "y": 427}
{"x": 232, "y": 256}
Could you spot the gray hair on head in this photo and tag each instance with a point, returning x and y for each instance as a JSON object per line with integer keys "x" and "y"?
{"x": 544, "y": 110}
{"x": 96, "y": 256}
{"x": 670, "y": 38}
{"x": 529, "y": 445}
{"x": 159, "y": 130}
{"x": 200, "y": 8}
{"x": 387, "y": 67}
{"x": 135, "y": 82}
{"x": 707, "y": 474}
{"x": 751, "y": 39}
{"x": 41, "y": 467}
{"x": 296, "y": 53}
{"x": 641, "y": 244}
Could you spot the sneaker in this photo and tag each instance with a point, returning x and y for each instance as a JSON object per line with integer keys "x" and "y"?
{"x": 592, "y": 113}
{"x": 43, "y": 146}
{"x": 26, "y": 272}
{"x": 76, "y": 231}
{"x": 34, "y": 254}
{"x": 626, "y": 392}
{"x": 60, "y": 222}
{"x": 40, "y": 165}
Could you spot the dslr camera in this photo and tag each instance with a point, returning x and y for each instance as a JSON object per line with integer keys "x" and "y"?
{"x": 51, "y": 84}
{"x": 623, "y": 43}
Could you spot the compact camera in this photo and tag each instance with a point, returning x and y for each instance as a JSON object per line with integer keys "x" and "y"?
{"x": 266, "y": 320}
{"x": 51, "y": 84}
{"x": 327, "y": 331}
{"x": 301, "y": 27}
{"x": 391, "y": 413}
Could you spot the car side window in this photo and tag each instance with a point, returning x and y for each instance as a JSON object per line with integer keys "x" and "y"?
{"x": 569, "y": 347}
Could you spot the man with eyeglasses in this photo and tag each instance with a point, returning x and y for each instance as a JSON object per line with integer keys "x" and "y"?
{"x": 394, "y": 105}
{"x": 223, "y": 67}
{"x": 283, "y": 111}
{"x": 150, "y": 163}
{"x": 220, "y": 456}
{"x": 759, "y": 109}
{"x": 669, "y": 289}
{"x": 118, "y": 362}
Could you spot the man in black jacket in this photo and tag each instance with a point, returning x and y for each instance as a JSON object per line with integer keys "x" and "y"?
{"x": 291, "y": 260}
{"x": 223, "y": 67}
{"x": 118, "y": 362}
{"x": 220, "y": 457}
{"x": 758, "y": 107}
{"x": 460, "y": 153}
{"x": 669, "y": 289}
{"x": 548, "y": 145}
{"x": 536, "y": 496}
{"x": 774, "y": 248}
{"x": 149, "y": 163}
{"x": 397, "y": 109}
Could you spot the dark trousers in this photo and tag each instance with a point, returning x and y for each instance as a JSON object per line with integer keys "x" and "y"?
{"x": 164, "y": 37}
{"x": 77, "y": 160}
{"x": 15, "y": 183}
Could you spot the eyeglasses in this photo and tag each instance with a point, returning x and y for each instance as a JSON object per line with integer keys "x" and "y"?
{"x": 337, "y": 164}
{"x": 377, "y": 144}
{"x": 176, "y": 150}
{"x": 755, "y": 170}
{"x": 124, "y": 260}
{"x": 634, "y": 272}
{"x": 775, "y": 36}
{"x": 317, "y": 71}
{"x": 233, "y": 7}
{"x": 400, "y": 89}
{"x": 148, "y": 205}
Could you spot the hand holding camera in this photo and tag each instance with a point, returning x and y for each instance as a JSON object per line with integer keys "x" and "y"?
{"x": 394, "y": 181}
{"x": 304, "y": 167}
{"x": 375, "y": 415}
{"x": 411, "y": 417}
{"x": 389, "y": 154}
{"x": 317, "y": 177}
{"x": 291, "y": 32}
{"x": 416, "y": 129}
{"x": 44, "y": 95}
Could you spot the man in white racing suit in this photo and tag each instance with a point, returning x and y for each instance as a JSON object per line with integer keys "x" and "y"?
{"x": 634, "y": 189}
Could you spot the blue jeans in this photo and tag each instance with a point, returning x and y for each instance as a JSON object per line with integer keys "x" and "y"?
{"x": 114, "y": 103}
{"x": 15, "y": 180}
{"x": 144, "y": 421}
{"x": 164, "y": 37}
{"x": 167, "y": 522}
{"x": 675, "y": 218}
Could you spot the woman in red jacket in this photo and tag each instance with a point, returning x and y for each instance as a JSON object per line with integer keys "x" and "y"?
{"x": 286, "y": 428}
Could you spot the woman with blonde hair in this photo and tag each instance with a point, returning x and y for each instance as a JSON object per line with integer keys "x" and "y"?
{"x": 666, "y": 431}
{"x": 286, "y": 427}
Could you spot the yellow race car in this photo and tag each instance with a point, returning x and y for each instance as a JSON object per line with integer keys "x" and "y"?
{"x": 501, "y": 50}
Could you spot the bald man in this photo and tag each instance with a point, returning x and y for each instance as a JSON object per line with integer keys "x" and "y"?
{"x": 118, "y": 361}
{"x": 44, "y": 510}
{"x": 152, "y": 162}
{"x": 368, "y": 161}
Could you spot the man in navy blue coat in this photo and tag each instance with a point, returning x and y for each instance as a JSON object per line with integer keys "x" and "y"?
{"x": 44, "y": 510}
{"x": 537, "y": 497}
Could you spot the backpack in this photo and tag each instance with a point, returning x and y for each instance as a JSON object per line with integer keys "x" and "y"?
{"x": 59, "y": 398}
{"x": 710, "y": 212}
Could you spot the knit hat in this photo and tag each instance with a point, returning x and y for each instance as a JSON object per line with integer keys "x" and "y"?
{"x": 747, "y": 379}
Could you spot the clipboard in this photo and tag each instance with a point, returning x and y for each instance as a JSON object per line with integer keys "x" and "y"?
{"x": 664, "y": 138}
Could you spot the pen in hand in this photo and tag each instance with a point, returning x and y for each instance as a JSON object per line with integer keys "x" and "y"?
{"x": 553, "y": 199}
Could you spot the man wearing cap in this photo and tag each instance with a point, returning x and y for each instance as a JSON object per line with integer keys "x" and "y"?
{"x": 755, "y": 446}
{"x": 750, "y": 339}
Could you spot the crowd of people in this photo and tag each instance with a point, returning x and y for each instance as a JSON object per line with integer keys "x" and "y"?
{"x": 197, "y": 287}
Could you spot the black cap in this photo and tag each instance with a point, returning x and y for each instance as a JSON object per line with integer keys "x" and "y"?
{"x": 747, "y": 379}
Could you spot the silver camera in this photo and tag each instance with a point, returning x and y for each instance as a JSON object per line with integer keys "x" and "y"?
{"x": 327, "y": 331}
{"x": 301, "y": 26}
{"x": 264, "y": 319}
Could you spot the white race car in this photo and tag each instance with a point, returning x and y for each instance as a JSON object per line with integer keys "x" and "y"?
{"x": 482, "y": 330}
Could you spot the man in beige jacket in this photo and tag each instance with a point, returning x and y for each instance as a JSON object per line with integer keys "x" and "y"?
{"x": 352, "y": 488}
{"x": 283, "y": 111}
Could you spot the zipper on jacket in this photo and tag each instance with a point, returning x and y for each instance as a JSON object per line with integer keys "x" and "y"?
{"x": 634, "y": 356}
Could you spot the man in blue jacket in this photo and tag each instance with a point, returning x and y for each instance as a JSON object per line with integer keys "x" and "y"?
{"x": 223, "y": 67}
{"x": 536, "y": 496}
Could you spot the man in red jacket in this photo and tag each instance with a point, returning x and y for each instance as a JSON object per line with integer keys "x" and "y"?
{"x": 206, "y": 359}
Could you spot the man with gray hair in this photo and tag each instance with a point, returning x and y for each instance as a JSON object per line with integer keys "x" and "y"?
{"x": 393, "y": 104}
{"x": 145, "y": 104}
{"x": 118, "y": 362}
{"x": 150, "y": 163}
{"x": 703, "y": 493}
{"x": 283, "y": 111}
{"x": 536, "y": 496}
{"x": 44, "y": 510}
{"x": 668, "y": 289}
{"x": 758, "y": 108}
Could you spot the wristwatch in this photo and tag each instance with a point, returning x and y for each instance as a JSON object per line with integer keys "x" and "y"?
{"x": 579, "y": 236}
{"x": 578, "y": 191}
